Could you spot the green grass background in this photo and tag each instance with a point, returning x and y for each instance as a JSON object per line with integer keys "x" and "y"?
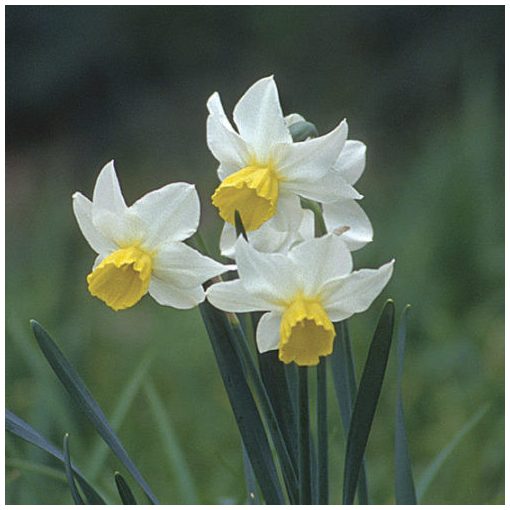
{"x": 421, "y": 86}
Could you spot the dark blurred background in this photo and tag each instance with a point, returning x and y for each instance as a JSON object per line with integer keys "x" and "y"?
{"x": 421, "y": 86}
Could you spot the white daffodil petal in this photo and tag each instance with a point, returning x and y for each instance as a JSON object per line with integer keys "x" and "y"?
{"x": 320, "y": 260}
{"x": 351, "y": 162}
{"x": 307, "y": 228}
{"x": 167, "y": 294}
{"x": 309, "y": 160}
{"x": 343, "y": 297}
{"x": 107, "y": 193}
{"x": 225, "y": 144}
{"x": 268, "y": 332}
{"x": 170, "y": 213}
{"x": 233, "y": 297}
{"x": 268, "y": 238}
{"x": 228, "y": 240}
{"x": 216, "y": 109}
{"x": 82, "y": 208}
{"x": 270, "y": 276}
{"x": 289, "y": 213}
{"x": 328, "y": 188}
{"x": 185, "y": 267}
{"x": 122, "y": 229}
{"x": 348, "y": 213}
{"x": 259, "y": 118}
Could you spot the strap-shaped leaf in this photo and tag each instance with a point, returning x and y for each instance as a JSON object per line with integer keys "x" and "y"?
{"x": 23, "y": 430}
{"x": 125, "y": 493}
{"x": 305, "y": 475}
{"x": 344, "y": 381}
{"x": 242, "y": 402}
{"x": 272, "y": 371}
{"x": 251, "y": 483}
{"x": 405, "y": 493}
{"x": 366, "y": 400}
{"x": 250, "y": 370}
{"x": 76, "y": 388}
{"x": 69, "y": 473}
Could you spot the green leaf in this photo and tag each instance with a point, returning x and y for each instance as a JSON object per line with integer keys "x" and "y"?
{"x": 240, "y": 344}
{"x": 251, "y": 482}
{"x": 74, "y": 385}
{"x": 305, "y": 487}
{"x": 366, "y": 401}
{"x": 69, "y": 473}
{"x": 273, "y": 374}
{"x": 434, "y": 467}
{"x": 344, "y": 381}
{"x": 405, "y": 493}
{"x": 322, "y": 434}
{"x": 23, "y": 430}
{"x": 302, "y": 130}
{"x": 100, "y": 450}
{"x": 125, "y": 493}
{"x": 243, "y": 405}
{"x": 170, "y": 446}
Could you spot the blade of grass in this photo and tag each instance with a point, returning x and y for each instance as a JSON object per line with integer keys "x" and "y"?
{"x": 125, "y": 493}
{"x": 305, "y": 496}
{"x": 344, "y": 381}
{"x": 366, "y": 401}
{"x": 69, "y": 473}
{"x": 39, "y": 469}
{"x": 171, "y": 445}
{"x": 322, "y": 434}
{"x": 243, "y": 405}
{"x": 405, "y": 493}
{"x": 23, "y": 430}
{"x": 432, "y": 470}
{"x": 100, "y": 450}
{"x": 74, "y": 385}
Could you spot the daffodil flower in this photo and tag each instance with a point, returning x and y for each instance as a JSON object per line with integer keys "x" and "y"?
{"x": 263, "y": 172}
{"x": 140, "y": 247}
{"x": 305, "y": 291}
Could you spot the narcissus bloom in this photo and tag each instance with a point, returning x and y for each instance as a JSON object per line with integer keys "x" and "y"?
{"x": 263, "y": 172}
{"x": 140, "y": 247}
{"x": 305, "y": 291}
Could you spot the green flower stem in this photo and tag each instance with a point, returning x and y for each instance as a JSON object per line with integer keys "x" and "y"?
{"x": 304, "y": 439}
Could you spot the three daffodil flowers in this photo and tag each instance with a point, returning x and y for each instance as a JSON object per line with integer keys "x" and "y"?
{"x": 304, "y": 283}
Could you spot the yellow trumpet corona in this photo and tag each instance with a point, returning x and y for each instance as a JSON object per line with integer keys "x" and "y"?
{"x": 253, "y": 191}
